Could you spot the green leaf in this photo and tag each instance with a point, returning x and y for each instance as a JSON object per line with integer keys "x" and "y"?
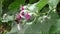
{"x": 55, "y": 28}
{"x": 41, "y": 4}
{"x": 15, "y": 5}
{"x": 58, "y": 26}
{"x": 32, "y": 1}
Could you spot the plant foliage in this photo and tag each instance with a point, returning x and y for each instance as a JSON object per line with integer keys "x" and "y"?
{"x": 45, "y": 18}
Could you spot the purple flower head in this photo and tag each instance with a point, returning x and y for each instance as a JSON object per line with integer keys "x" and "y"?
{"x": 27, "y": 16}
{"x": 18, "y": 17}
{"x": 22, "y": 8}
{"x": 23, "y": 14}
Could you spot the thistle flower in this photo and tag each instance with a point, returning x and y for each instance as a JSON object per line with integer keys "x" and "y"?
{"x": 26, "y": 12}
{"x": 23, "y": 14}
